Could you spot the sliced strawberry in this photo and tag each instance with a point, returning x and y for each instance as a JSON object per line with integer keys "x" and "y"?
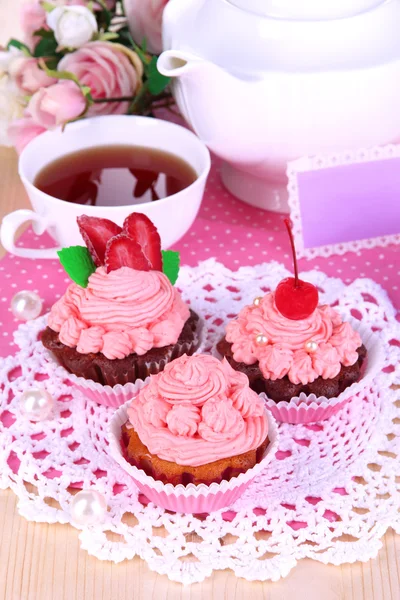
{"x": 141, "y": 229}
{"x": 96, "y": 233}
{"x": 122, "y": 251}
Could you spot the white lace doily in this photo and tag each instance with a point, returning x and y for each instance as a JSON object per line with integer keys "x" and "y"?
{"x": 330, "y": 495}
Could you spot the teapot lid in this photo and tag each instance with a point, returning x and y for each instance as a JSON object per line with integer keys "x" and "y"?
{"x": 312, "y": 10}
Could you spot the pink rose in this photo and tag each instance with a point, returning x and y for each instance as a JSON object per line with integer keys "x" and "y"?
{"x": 28, "y": 76}
{"x": 32, "y": 18}
{"x": 22, "y": 131}
{"x": 109, "y": 70}
{"x": 145, "y": 21}
{"x": 57, "y": 104}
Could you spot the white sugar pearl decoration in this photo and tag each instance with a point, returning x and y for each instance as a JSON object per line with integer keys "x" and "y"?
{"x": 88, "y": 507}
{"x": 26, "y": 305}
{"x": 311, "y": 346}
{"x": 261, "y": 340}
{"x": 36, "y": 404}
{"x": 257, "y": 301}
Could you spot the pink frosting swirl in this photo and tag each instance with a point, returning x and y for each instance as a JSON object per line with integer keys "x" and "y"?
{"x": 134, "y": 311}
{"x": 301, "y": 369}
{"x": 276, "y": 360}
{"x": 155, "y": 411}
{"x": 91, "y": 340}
{"x": 327, "y": 362}
{"x": 183, "y": 419}
{"x": 193, "y": 381}
{"x": 220, "y": 420}
{"x": 70, "y": 331}
{"x": 285, "y": 351}
{"x": 208, "y": 413}
{"x": 116, "y": 344}
{"x": 344, "y": 340}
{"x": 242, "y": 396}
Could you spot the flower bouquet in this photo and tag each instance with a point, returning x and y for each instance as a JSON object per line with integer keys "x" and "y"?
{"x": 80, "y": 58}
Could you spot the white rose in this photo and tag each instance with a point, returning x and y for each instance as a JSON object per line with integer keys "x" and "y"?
{"x": 73, "y": 26}
{"x": 11, "y": 108}
{"x": 7, "y": 58}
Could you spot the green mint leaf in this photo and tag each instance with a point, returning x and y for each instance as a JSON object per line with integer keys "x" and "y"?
{"x": 171, "y": 262}
{"x": 46, "y": 47}
{"x": 16, "y": 44}
{"x": 78, "y": 264}
{"x": 157, "y": 82}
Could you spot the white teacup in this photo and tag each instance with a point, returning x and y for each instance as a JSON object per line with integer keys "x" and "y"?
{"x": 173, "y": 215}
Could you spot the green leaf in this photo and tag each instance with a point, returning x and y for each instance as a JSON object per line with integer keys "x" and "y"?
{"x": 105, "y": 14}
{"x": 77, "y": 263}
{"x": 59, "y": 74}
{"x": 48, "y": 7}
{"x": 44, "y": 33}
{"x": 106, "y": 37}
{"x": 16, "y": 44}
{"x": 87, "y": 92}
{"x": 171, "y": 262}
{"x": 124, "y": 37}
{"x": 46, "y": 47}
{"x": 52, "y": 62}
{"x": 157, "y": 82}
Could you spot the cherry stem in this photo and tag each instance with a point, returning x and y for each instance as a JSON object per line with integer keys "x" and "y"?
{"x": 290, "y": 232}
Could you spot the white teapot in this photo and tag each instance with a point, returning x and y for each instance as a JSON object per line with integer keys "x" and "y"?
{"x": 263, "y": 82}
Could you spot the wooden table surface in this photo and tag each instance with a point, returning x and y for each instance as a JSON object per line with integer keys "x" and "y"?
{"x": 44, "y": 562}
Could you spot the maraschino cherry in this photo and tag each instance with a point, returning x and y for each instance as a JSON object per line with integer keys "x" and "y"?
{"x": 295, "y": 299}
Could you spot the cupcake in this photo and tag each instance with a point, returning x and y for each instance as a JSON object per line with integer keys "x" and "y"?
{"x": 290, "y": 346}
{"x": 122, "y": 319}
{"x": 195, "y": 429}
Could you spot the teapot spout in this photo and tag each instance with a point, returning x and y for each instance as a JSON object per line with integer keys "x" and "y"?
{"x": 209, "y": 98}
{"x": 175, "y": 63}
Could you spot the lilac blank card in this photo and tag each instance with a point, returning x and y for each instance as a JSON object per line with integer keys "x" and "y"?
{"x": 345, "y": 201}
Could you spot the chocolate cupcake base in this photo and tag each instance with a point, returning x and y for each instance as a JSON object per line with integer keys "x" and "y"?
{"x": 100, "y": 369}
{"x": 283, "y": 389}
{"x": 138, "y": 455}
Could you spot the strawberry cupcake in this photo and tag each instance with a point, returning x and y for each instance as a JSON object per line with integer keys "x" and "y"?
{"x": 195, "y": 436}
{"x": 122, "y": 319}
{"x": 298, "y": 352}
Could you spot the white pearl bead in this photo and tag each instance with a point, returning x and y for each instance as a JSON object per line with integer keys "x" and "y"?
{"x": 36, "y": 404}
{"x": 261, "y": 340}
{"x": 26, "y": 305}
{"x": 311, "y": 346}
{"x": 88, "y": 507}
{"x": 257, "y": 301}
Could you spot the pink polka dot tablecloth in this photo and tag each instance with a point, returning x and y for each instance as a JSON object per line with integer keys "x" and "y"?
{"x": 233, "y": 232}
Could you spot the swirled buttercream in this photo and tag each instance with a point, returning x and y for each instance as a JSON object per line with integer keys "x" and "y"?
{"x": 120, "y": 313}
{"x": 285, "y": 350}
{"x": 212, "y": 413}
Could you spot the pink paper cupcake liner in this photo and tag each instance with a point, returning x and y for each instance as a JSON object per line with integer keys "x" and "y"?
{"x": 194, "y": 499}
{"x": 117, "y": 395}
{"x": 304, "y": 409}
